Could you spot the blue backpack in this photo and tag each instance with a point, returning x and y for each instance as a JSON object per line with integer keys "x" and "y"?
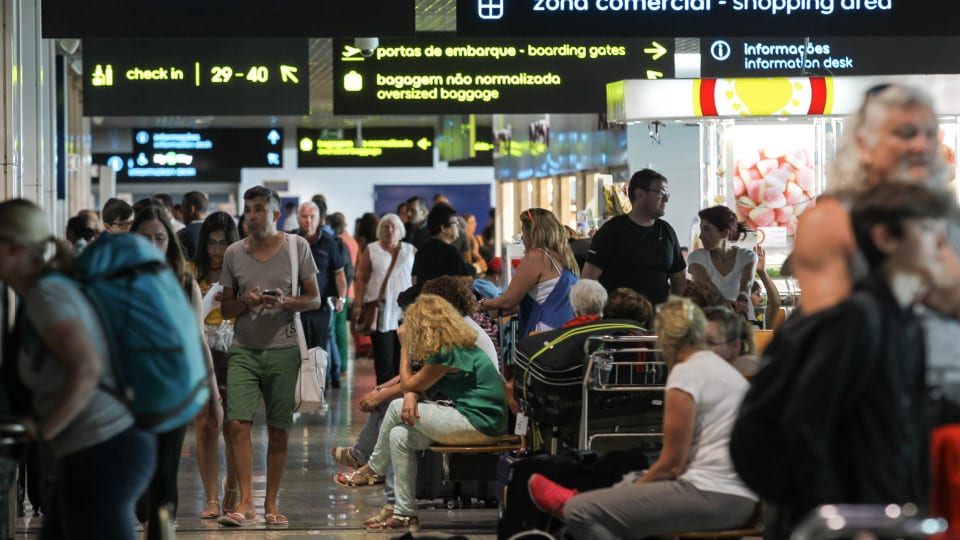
{"x": 154, "y": 338}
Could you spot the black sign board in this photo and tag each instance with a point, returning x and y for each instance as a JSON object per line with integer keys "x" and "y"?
{"x": 226, "y": 18}
{"x": 195, "y": 155}
{"x": 483, "y": 148}
{"x": 695, "y": 18}
{"x": 444, "y": 74}
{"x": 376, "y": 147}
{"x": 821, "y": 56}
{"x": 195, "y": 77}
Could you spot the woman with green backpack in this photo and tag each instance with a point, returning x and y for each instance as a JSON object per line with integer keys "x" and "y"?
{"x": 104, "y": 461}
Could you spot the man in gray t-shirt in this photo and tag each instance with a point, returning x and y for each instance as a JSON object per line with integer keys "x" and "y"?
{"x": 258, "y": 291}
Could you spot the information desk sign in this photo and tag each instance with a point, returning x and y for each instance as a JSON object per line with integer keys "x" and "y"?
{"x": 376, "y": 147}
{"x": 827, "y": 56}
{"x": 196, "y": 155}
{"x": 444, "y": 74}
{"x": 195, "y": 77}
{"x": 139, "y": 19}
{"x": 696, "y": 18}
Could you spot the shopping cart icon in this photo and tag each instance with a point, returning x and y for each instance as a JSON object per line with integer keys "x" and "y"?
{"x": 490, "y": 9}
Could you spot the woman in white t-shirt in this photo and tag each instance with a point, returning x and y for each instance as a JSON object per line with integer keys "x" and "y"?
{"x": 730, "y": 268}
{"x": 692, "y": 486}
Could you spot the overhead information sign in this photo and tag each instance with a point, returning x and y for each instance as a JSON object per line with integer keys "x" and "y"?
{"x": 786, "y": 56}
{"x": 226, "y": 18}
{"x": 195, "y": 77}
{"x": 483, "y": 148}
{"x": 207, "y": 154}
{"x": 376, "y": 147}
{"x": 705, "y": 17}
{"x": 444, "y": 74}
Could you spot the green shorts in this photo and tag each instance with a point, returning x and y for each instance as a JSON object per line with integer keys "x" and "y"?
{"x": 270, "y": 372}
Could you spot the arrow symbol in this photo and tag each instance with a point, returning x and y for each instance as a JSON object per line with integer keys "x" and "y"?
{"x": 423, "y": 143}
{"x": 657, "y": 51}
{"x": 273, "y": 137}
{"x": 651, "y": 74}
{"x": 289, "y": 74}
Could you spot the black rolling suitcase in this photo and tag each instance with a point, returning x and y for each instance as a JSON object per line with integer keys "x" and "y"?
{"x": 580, "y": 470}
{"x": 470, "y": 479}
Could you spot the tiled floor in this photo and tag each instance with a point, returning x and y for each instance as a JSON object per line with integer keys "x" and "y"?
{"x": 316, "y": 506}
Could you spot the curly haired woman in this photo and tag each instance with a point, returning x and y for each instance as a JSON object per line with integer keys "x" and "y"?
{"x": 476, "y": 413}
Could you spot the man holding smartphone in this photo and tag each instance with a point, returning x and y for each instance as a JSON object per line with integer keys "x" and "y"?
{"x": 264, "y": 359}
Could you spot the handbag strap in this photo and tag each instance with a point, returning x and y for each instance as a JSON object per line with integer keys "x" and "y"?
{"x": 393, "y": 262}
{"x": 295, "y": 291}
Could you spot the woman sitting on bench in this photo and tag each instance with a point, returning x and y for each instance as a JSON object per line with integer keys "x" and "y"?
{"x": 435, "y": 334}
{"x": 692, "y": 486}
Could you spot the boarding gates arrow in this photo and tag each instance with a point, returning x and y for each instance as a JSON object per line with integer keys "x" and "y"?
{"x": 656, "y": 51}
{"x": 423, "y": 143}
{"x": 651, "y": 74}
{"x": 289, "y": 74}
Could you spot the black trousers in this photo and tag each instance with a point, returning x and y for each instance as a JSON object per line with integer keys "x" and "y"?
{"x": 386, "y": 355}
{"x": 163, "y": 486}
{"x": 316, "y": 326}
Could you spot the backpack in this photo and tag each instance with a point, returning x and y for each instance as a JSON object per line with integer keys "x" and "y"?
{"x": 757, "y": 444}
{"x": 152, "y": 331}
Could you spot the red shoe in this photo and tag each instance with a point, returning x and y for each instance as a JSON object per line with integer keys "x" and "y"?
{"x": 548, "y": 495}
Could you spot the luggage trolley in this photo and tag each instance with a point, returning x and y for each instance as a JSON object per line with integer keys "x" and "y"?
{"x": 619, "y": 364}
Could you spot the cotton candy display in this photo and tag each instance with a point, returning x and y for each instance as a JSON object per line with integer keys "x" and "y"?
{"x": 773, "y": 187}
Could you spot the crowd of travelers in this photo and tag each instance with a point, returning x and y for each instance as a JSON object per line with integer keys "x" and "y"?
{"x": 841, "y": 394}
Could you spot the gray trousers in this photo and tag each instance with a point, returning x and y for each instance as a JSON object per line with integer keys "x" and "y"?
{"x": 640, "y": 510}
{"x": 367, "y": 440}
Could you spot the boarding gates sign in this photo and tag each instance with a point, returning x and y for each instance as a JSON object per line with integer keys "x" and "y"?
{"x": 444, "y": 74}
{"x": 195, "y": 77}
{"x": 697, "y": 18}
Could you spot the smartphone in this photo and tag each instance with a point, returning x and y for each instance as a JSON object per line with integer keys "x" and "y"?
{"x": 271, "y": 292}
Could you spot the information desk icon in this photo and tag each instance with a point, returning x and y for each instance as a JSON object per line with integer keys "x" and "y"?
{"x": 490, "y": 9}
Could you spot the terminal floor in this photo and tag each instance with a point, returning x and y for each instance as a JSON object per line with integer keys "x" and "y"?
{"x": 316, "y": 507}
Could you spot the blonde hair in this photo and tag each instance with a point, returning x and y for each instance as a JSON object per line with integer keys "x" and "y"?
{"x": 543, "y": 231}
{"x": 680, "y": 323}
{"x": 431, "y": 325}
{"x": 24, "y": 222}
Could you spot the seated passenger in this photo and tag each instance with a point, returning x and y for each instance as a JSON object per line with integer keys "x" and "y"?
{"x": 588, "y": 298}
{"x": 375, "y": 402}
{"x": 731, "y": 337}
{"x": 626, "y": 303}
{"x": 692, "y": 485}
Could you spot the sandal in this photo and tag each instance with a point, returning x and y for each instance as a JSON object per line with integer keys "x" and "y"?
{"x": 212, "y": 510}
{"x": 236, "y": 519}
{"x": 231, "y": 497}
{"x": 276, "y": 520}
{"x": 381, "y": 515}
{"x": 358, "y": 479}
{"x": 343, "y": 455}
{"x": 396, "y": 521}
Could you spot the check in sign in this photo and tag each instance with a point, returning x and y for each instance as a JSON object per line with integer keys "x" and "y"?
{"x": 195, "y": 77}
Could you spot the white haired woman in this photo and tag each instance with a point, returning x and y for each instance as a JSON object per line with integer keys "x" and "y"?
{"x": 385, "y": 265}
{"x": 588, "y": 298}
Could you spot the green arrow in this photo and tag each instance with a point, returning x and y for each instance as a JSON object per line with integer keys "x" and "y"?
{"x": 657, "y": 51}
{"x": 651, "y": 74}
{"x": 423, "y": 143}
{"x": 289, "y": 74}
{"x": 349, "y": 50}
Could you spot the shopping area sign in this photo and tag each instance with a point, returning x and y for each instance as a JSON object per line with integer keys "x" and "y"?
{"x": 372, "y": 147}
{"x": 787, "y": 56}
{"x": 195, "y": 77}
{"x": 696, "y": 18}
{"x": 444, "y": 74}
{"x": 226, "y": 18}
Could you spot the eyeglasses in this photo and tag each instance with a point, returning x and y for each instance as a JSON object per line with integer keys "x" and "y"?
{"x": 122, "y": 224}
{"x": 454, "y": 222}
{"x": 662, "y": 192}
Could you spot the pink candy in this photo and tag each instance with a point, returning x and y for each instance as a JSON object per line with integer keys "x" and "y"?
{"x": 773, "y": 187}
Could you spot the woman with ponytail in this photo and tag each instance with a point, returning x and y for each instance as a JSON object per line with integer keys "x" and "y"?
{"x": 104, "y": 462}
{"x": 730, "y": 268}
{"x": 692, "y": 485}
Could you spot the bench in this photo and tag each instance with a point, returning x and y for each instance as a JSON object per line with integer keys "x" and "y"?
{"x": 753, "y": 527}
{"x": 507, "y": 443}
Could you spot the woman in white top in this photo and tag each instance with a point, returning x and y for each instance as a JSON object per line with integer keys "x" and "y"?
{"x": 541, "y": 285}
{"x": 372, "y": 268}
{"x": 728, "y": 267}
{"x": 692, "y": 485}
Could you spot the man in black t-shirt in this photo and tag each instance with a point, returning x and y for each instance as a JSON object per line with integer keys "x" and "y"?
{"x": 437, "y": 257}
{"x": 639, "y": 250}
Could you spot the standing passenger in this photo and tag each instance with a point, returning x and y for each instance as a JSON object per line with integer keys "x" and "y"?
{"x": 104, "y": 462}
{"x": 639, "y": 250}
{"x": 264, "y": 359}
